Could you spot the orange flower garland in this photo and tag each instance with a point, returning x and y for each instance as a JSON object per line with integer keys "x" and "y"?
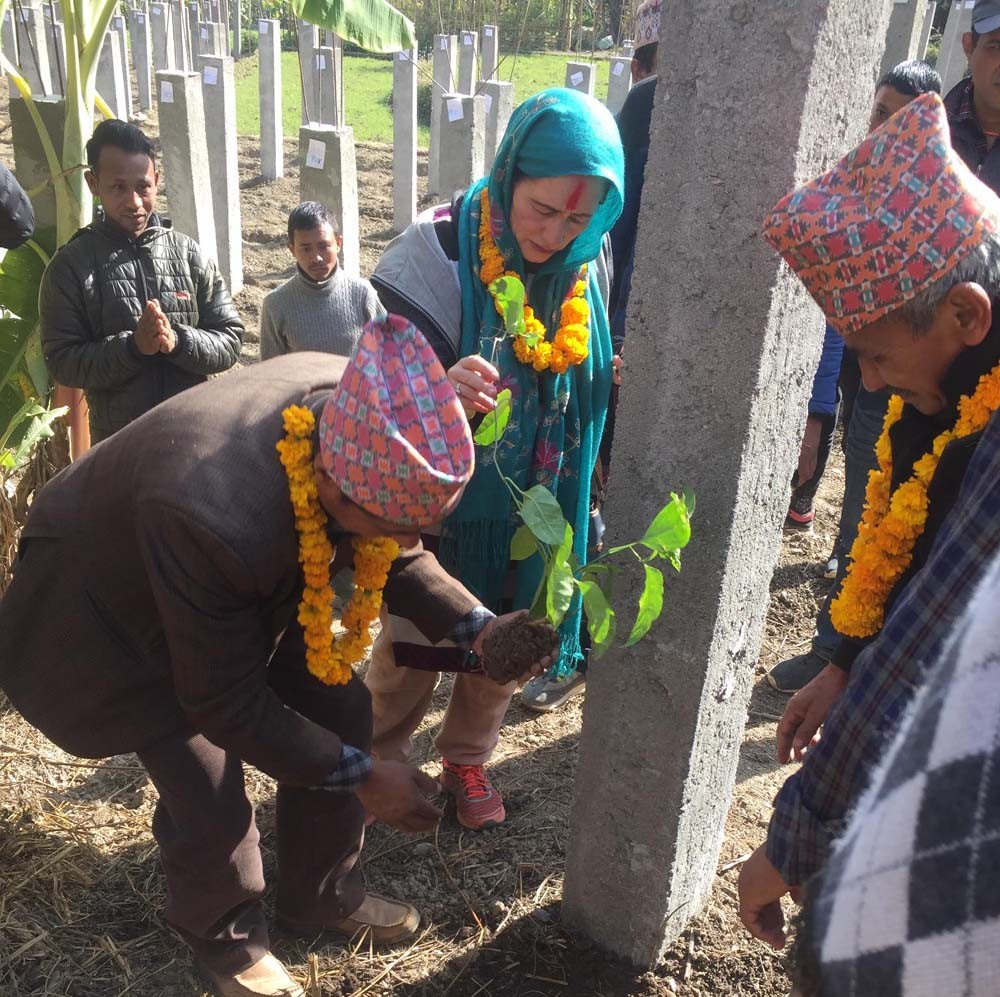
{"x": 329, "y": 658}
{"x": 894, "y": 521}
{"x": 569, "y": 346}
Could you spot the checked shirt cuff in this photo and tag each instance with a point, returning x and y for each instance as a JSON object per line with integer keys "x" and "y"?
{"x": 798, "y": 842}
{"x": 465, "y": 632}
{"x": 352, "y": 770}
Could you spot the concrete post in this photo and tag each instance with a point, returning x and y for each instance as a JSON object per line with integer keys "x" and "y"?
{"x": 580, "y": 76}
{"x": 308, "y": 35}
{"x": 185, "y": 157}
{"x": 404, "y": 139}
{"x": 118, "y": 23}
{"x": 194, "y": 19}
{"x": 211, "y": 38}
{"x": 498, "y": 101}
{"x": 903, "y": 36}
{"x": 337, "y": 44}
{"x": 627, "y": 49}
{"x": 272, "y": 159}
{"x": 161, "y": 15}
{"x": 33, "y": 50}
{"x": 663, "y": 720}
{"x": 8, "y": 39}
{"x": 111, "y": 75}
{"x": 443, "y": 81}
{"x": 463, "y": 132}
{"x": 952, "y": 62}
{"x": 55, "y": 39}
{"x": 489, "y": 54}
{"x": 180, "y": 36}
{"x": 328, "y": 174}
{"x": 619, "y": 83}
{"x": 142, "y": 54}
{"x": 236, "y": 13}
{"x": 218, "y": 89}
{"x": 324, "y": 96}
{"x": 925, "y": 33}
{"x": 30, "y": 165}
{"x": 468, "y": 56}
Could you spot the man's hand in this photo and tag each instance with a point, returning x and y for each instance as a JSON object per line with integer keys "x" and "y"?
{"x": 148, "y": 333}
{"x": 806, "y": 711}
{"x": 617, "y": 366}
{"x": 809, "y": 452}
{"x": 536, "y": 668}
{"x": 761, "y": 889}
{"x": 394, "y": 793}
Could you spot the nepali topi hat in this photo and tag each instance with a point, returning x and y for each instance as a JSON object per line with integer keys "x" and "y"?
{"x": 647, "y": 22}
{"x": 893, "y": 216}
{"x": 393, "y": 434}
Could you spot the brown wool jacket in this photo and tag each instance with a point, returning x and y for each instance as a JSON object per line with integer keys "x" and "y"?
{"x": 159, "y": 572}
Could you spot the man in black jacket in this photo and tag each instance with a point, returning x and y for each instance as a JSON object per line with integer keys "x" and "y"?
{"x": 132, "y": 311}
{"x": 17, "y": 217}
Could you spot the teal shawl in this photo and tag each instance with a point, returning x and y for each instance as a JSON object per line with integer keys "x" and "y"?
{"x": 556, "y": 422}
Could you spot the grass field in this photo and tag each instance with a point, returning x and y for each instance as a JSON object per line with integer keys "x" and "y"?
{"x": 368, "y": 84}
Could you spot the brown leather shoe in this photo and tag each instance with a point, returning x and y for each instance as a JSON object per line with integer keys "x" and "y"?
{"x": 388, "y": 921}
{"x": 266, "y": 978}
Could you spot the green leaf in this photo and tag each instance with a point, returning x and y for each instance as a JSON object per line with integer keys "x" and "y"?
{"x": 600, "y": 617}
{"x": 523, "y": 544}
{"x": 560, "y": 585}
{"x": 670, "y": 528}
{"x": 650, "y": 605}
{"x": 40, "y": 428}
{"x": 603, "y": 575}
{"x": 689, "y": 501}
{"x": 509, "y": 295}
{"x": 373, "y": 25}
{"x": 494, "y": 423}
{"x": 542, "y": 515}
{"x": 34, "y": 362}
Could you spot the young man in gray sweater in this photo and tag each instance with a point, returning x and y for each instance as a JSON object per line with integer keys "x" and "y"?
{"x": 320, "y": 307}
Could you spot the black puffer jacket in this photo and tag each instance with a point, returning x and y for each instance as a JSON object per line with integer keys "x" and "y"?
{"x": 17, "y": 217}
{"x": 92, "y": 295}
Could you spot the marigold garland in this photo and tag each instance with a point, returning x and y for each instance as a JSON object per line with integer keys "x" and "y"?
{"x": 569, "y": 346}
{"x": 894, "y": 521}
{"x": 329, "y": 658}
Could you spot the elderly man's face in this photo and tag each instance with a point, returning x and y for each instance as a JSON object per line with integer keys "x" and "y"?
{"x": 913, "y": 364}
{"x": 984, "y": 61}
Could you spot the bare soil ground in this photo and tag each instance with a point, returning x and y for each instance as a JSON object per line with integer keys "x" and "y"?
{"x": 80, "y": 887}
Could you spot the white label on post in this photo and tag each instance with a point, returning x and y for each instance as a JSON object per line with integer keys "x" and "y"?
{"x": 576, "y": 79}
{"x": 466, "y": 39}
{"x": 117, "y": 22}
{"x": 455, "y": 112}
{"x": 157, "y": 11}
{"x": 263, "y": 28}
{"x": 204, "y": 32}
{"x": 321, "y": 61}
{"x": 403, "y": 56}
{"x": 489, "y": 101}
{"x": 140, "y": 18}
{"x": 316, "y": 154}
{"x": 166, "y": 92}
{"x": 487, "y": 32}
{"x": 619, "y": 68}
{"x": 211, "y": 75}
{"x": 24, "y": 16}
{"x": 444, "y": 43}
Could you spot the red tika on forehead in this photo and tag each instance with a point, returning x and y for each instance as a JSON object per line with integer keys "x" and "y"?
{"x": 573, "y": 201}
{"x": 898, "y": 212}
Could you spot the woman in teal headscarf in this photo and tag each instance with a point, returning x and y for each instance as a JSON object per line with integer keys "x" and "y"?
{"x": 554, "y": 192}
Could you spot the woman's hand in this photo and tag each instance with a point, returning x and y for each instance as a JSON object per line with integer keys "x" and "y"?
{"x": 617, "y": 366}
{"x": 474, "y": 381}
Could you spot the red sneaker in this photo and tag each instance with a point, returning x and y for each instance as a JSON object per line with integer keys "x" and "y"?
{"x": 479, "y": 805}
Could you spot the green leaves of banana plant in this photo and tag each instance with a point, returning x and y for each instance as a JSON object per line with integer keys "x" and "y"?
{"x": 373, "y": 25}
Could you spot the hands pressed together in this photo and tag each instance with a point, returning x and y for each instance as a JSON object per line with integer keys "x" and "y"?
{"x": 153, "y": 333}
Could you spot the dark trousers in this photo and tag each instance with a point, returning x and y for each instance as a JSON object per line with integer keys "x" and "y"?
{"x": 204, "y": 825}
{"x": 804, "y": 492}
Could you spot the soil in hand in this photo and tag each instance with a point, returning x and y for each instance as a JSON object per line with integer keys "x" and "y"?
{"x": 510, "y": 649}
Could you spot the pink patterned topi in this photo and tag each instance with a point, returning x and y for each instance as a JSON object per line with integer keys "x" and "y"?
{"x": 393, "y": 434}
{"x": 647, "y": 22}
{"x": 896, "y": 214}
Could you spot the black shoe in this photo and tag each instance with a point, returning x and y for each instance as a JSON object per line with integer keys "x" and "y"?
{"x": 792, "y": 674}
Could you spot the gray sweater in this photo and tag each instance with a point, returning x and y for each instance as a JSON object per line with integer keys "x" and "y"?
{"x": 302, "y": 314}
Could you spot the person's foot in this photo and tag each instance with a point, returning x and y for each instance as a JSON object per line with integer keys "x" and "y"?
{"x": 831, "y": 567}
{"x": 546, "y": 693}
{"x": 265, "y": 978}
{"x": 386, "y": 921}
{"x": 479, "y": 806}
{"x": 792, "y": 674}
{"x": 799, "y": 517}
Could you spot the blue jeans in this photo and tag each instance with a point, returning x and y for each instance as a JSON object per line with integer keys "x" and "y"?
{"x": 865, "y": 428}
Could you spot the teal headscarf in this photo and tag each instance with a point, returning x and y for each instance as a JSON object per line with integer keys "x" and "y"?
{"x": 557, "y": 420}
